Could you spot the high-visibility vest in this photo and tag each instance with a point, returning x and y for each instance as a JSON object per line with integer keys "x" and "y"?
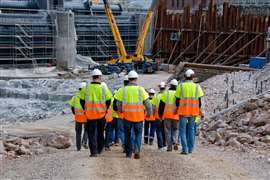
{"x": 95, "y": 101}
{"x": 189, "y": 106}
{"x": 152, "y": 117}
{"x": 132, "y": 104}
{"x": 170, "y": 107}
{"x": 79, "y": 115}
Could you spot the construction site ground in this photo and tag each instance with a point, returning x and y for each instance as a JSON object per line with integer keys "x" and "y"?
{"x": 207, "y": 162}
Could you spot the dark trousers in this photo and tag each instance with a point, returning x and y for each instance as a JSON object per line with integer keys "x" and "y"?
{"x": 79, "y": 139}
{"x": 137, "y": 127}
{"x": 108, "y": 134}
{"x": 95, "y": 129}
{"x": 163, "y": 132}
{"x": 115, "y": 131}
{"x": 149, "y": 131}
{"x": 159, "y": 132}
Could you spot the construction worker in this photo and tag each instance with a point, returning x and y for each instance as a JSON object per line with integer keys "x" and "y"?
{"x": 167, "y": 113}
{"x": 133, "y": 100}
{"x": 188, "y": 101}
{"x": 150, "y": 122}
{"x": 108, "y": 128}
{"x": 97, "y": 102}
{"x": 159, "y": 122}
{"x": 77, "y": 108}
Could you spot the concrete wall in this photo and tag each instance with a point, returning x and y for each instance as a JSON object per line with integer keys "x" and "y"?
{"x": 65, "y": 40}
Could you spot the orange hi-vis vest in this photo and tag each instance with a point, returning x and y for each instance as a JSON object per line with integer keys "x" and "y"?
{"x": 152, "y": 117}
{"x": 170, "y": 107}
{"x": 95, "y": 102}
{"x": 133, "y": 111}
{"x": 189, "y": 106}
{"x": 79, "y": 112}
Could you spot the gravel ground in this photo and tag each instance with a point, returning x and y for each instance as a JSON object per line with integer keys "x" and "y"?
{"x": 207, "y": 162}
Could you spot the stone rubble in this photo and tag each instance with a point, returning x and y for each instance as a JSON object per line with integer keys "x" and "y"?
{"x": 34, "y": 99}
{"x": 243, "y": 126}
{"x": 14, "y": 147}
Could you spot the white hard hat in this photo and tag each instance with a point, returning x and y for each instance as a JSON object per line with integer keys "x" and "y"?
{"x": 83, "y": 84}
{"x": 152, "y": 91}
{"x": 189, "y": 73}
{"x": 96, "y": 72}
{"x": 133, "y": 74}
{"x": 162, "y": 84}
{"x": 126, "y": 78}
{"x": 174, "y": 82}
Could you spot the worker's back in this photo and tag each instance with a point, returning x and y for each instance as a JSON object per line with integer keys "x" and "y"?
{"x": 168, "y": 97}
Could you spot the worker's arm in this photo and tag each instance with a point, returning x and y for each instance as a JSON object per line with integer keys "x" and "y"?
{"x": 161, "y": 108}
{"x": 148, "y": 106}
{"x": 82, "y": 103}
{"x": 73, "y": 110}
{"x": 108, "y": 103}
{"x": 177, "y": 102}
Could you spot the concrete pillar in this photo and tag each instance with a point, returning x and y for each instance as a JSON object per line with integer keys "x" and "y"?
{"x": 65, "y": 40}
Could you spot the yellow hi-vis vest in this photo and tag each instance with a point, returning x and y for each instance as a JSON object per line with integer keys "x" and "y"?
{"x": 168, "y": 97}
{"x": 132, "y": 98}
{"x": 189, "y": 94}
{"x": 79, "y": 115}
{"x": 96, "y": 96}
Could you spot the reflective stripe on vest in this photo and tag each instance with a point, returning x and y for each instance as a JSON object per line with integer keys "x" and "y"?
{"x": 169, "y": 110}
{"x": 95, "y": 109}
{"x": 133, "y": 111}
{"x": 79, "y": 112}
{"x": 189, "y": 106}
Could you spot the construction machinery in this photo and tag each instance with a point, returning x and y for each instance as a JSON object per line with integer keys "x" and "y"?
{"x": 124, "y": 61}
{"x": 142, "y": 62}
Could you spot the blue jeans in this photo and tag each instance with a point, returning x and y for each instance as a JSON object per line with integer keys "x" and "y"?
{"x": 159, "y": 132}
{"x": 137, "y": 128}
{"x": 121, "y": 132}
{"x": 187, "y": 133}
{"x": 108, "y": 134}
{"x": 149, "y": 131}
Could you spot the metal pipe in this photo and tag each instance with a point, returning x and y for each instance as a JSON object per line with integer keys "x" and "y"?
{"x": 22, "y": 4}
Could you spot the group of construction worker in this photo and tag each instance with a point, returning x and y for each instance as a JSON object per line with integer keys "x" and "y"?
{"x": 120, "y": 118}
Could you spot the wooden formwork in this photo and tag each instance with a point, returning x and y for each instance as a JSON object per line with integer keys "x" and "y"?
{"x": 212, "y": 35}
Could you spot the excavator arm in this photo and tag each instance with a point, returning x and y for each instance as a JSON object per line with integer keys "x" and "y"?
{"x": 122, "y": 54}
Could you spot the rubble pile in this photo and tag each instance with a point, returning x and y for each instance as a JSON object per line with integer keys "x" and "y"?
{"x": 226, "y": 90}
{"x": 17, "y": 146}
{"x": 33, "y": 99}
{"x": 243, "y": 126}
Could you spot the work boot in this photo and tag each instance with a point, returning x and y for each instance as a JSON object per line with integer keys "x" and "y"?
{"x": 151, "y": 142}
{"x": 85, "y": 146}
{"x": 137, "y": 156}
{"x": 169, "y": 148}
{"x": 184, "y": 153}
{"x": 175, "y": 147}
{"x": 145, "y": 140}
{"x": 93, "y": 155}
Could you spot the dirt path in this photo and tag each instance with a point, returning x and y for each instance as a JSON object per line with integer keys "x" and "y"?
{"x": 69, "y": 164}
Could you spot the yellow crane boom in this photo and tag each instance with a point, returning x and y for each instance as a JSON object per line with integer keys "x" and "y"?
{"x": 121, "y": 50}
{"x": 139, "y": 53}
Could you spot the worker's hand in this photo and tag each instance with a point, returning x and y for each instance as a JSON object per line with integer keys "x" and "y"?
{"x": 202, "y": 114}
